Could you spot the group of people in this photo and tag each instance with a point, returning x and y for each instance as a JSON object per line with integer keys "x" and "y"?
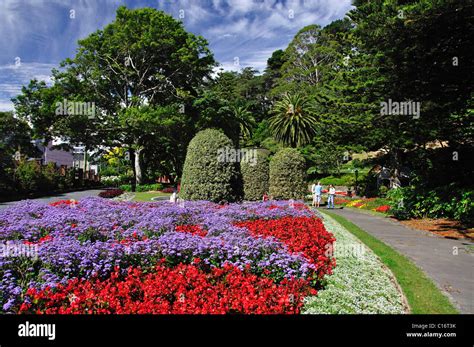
{"x": 317, "y": 190}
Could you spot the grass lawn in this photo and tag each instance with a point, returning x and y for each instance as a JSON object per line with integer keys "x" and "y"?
{"x": 422, "y": 294}
{"x": 147, "y": 196}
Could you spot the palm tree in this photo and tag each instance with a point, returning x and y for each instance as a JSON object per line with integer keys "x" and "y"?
{"x": 245, "y": 119}
{"x": 293, "y": 123}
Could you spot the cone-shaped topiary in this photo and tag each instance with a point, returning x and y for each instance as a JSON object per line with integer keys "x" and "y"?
{"x": 209, "y": 174}
{"x": 287, "y": 175}
{"x": 255, "y": 174}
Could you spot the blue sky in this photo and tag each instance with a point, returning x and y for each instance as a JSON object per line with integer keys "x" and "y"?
{"x": 35, "y": 35}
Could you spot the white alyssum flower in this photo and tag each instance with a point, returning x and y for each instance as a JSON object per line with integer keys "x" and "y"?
{"x": 360, "y": 283}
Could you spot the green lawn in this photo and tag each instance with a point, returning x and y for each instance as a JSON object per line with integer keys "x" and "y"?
{"x": 147, "y": 196}
{"x": 422, "y": 294}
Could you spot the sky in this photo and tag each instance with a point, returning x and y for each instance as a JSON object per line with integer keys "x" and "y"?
{"x": 36, "y": 35}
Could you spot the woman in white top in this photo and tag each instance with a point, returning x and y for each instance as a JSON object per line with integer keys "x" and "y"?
{"x": 331, "y": 193}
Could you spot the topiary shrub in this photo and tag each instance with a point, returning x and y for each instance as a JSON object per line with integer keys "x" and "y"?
{"x": 255, "y": 174}
{"x": 207, "y": 175}
{"x": 287, "y": 175}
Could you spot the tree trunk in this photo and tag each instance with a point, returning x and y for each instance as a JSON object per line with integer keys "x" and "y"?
{"x": 138, "y": 168}
{"x": 132, "y": 161}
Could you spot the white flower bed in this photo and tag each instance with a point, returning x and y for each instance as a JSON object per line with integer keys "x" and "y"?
{"x": 110, "y": 180}
{"x": 360, "y": 284}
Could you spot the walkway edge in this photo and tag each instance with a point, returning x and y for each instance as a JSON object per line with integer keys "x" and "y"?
{"x": 423, "y": 296}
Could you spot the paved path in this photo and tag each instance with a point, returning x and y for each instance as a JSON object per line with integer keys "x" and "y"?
{"x": 72, "y": 195}
{"x": 453, "y": 274}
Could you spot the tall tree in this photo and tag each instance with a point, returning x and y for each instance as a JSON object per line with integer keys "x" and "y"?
{"x": 422, "y": 52}
{"x": 310, "y": 59}
{"x": 15, "y": 139}
{"x": 143, "y": 58}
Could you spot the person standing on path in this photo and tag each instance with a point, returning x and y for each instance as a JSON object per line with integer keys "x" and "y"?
{"x": 331, "y": 193}
{"x": 317, "y": 190}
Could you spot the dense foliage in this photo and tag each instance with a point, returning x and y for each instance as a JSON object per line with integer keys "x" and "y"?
{"x": 207, "y": 175}
{"x": 142, "y": 95}
{"x": 255, "y": 176}
{"x": 288, "y": 175}
{"x": 29, "y": 178}
{"x": 443, "y": 202}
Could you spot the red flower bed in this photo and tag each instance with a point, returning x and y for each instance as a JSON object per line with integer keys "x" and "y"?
{"x": 168, "y": 190}
{"x": 301, "y": 234}
{"x": 383, "y": 208}
{"x": 192, "y": 229}
{"x": 183, "y": 289}
{"x": 64, "y": 203}
{"x": 40, "y": 241}
{"x": 111, "y": 193}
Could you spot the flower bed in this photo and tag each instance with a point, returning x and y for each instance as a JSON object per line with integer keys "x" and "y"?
{"x": 305, "y": 235}
{"x": 111, "y": 193}
{"x": 360, "y": 283}
{"x": 104, "y": 256}
{"x": 341, "y": 201}
{"x": 381, "y": 205}
{"x": 383, "y": 208}
{"x": 178, "y": 290}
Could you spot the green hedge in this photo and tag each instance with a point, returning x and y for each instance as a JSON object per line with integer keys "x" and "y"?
{"x": 288, "y": 175}
{"x": 255, "y": 174}
{"x": 30, "y": 179}
{"x": 205, "y": 175}
{"x": 450, "y": 201}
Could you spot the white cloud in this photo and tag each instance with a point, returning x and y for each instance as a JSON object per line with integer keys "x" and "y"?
{"x": 42, "y": 30}
{"x": 6, "y": 105}
{"x": 252, "y": 30}
{"x": 13, "y": 77}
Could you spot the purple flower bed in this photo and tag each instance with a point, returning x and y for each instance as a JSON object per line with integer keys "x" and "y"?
{"x": 95, "y": 235}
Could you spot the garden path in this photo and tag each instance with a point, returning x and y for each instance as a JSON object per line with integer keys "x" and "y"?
{"x": 449, "y": 263}
{"x": 64, "y": 196}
